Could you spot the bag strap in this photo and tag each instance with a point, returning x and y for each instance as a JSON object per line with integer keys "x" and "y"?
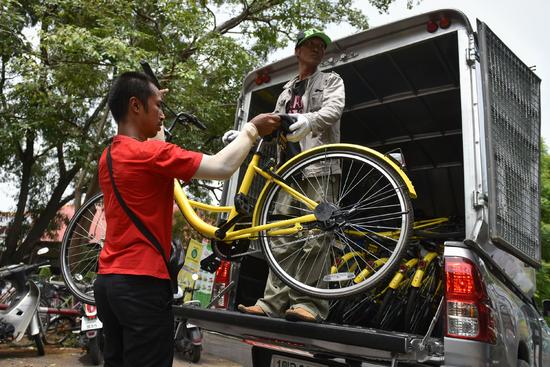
{"x": 137, "y": 222}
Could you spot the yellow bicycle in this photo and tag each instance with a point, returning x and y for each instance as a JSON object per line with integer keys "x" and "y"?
{"x": 424, "y": 293}
{"x": 321, "y": 204}
{"x": 347, "y": 261}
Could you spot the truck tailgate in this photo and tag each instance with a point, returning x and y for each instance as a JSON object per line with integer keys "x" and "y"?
{"x": 323, "y": 338}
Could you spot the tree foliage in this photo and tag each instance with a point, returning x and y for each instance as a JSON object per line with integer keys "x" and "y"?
{"x": 59, "y": 57}
{"x": 543, "y": 274}
{"x": 545, "y": 203}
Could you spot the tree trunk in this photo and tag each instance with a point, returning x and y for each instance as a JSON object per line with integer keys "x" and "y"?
{"x": 15, "y": 227}
{"x": 46, "y": 216}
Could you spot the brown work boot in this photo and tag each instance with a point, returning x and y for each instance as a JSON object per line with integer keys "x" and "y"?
{"x": 300, "y": 314}
{"x": 251, "y": 310}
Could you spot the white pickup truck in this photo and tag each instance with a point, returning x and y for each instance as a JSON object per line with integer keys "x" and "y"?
{"x": 464, "y": 111}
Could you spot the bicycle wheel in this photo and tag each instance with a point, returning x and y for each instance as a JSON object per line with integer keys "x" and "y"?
{"x": 82, "y": 242}
{"x": 363, "y": 206}
{"x": 386, "y": 310}
{"x": 59, "y": 330}
{"x": 422, "y": 302}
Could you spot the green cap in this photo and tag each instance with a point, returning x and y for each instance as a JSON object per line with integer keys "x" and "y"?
{"x": 310, "y": 33}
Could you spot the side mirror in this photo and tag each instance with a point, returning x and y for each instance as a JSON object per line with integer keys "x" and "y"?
{"x": 546, "y": 307}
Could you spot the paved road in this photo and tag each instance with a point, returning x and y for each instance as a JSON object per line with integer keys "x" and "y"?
{"x": 235, "y": 354}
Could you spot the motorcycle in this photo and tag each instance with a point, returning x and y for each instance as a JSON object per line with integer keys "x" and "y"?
{"x": 19, "y": 301}
{"x": 80, "y": 319}
{"x": 91, "y": 336}
{"x": 187, "y": 336}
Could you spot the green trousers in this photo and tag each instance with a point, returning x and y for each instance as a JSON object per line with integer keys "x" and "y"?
{"x": 307, "y": 261}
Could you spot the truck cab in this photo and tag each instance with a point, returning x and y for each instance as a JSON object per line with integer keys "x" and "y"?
{"x": 464, "y": 112}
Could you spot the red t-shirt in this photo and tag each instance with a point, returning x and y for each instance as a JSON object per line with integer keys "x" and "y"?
{"x": 144, "y": 174}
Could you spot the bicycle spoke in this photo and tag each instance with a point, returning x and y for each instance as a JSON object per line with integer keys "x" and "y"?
{"x": 352, "y": 184}
{"x": 363, "y": 229}
{"x": 324, "y": 266}
{"x": 300, "y": 268}
{"x": 297, "y": 251}
{"x": 367, "y": 203}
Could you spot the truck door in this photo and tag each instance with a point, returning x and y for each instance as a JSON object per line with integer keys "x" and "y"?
{"x": 511, "y": 107}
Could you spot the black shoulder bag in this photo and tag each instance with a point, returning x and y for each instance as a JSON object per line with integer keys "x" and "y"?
{"x": 175, "y": 263}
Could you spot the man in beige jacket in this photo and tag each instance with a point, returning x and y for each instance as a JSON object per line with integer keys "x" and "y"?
{"x": 316, "y": 100}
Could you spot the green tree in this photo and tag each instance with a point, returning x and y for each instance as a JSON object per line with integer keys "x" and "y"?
{"x": 543, "y": 274}
{"x": 58, "y": 59}
{"x": 545, "y": 202}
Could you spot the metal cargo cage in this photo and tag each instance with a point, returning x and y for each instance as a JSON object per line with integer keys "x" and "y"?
{"x": 511, "y": 96}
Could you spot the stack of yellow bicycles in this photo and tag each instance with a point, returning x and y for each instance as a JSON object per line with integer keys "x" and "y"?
{"x": 408, "y": 301}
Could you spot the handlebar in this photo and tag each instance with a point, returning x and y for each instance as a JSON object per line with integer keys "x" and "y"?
{"x": 284, "y": 129}
{"x": 18, "y": 268}
{"x": 181, "y": 117}
{"x": 147, "y": 70}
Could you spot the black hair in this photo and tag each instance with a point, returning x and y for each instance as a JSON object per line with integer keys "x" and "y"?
{"x": 128, "y": 85}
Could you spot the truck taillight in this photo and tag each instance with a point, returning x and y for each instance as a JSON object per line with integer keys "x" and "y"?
{"x": 221, "y": 280}
{"x": 468, "y": 312}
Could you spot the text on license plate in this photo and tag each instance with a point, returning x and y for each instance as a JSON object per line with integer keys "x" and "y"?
{"x": 90, "y": 324}
{"x": 283, "y": 361}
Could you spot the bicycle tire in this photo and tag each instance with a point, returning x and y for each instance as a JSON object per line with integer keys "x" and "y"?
{"x": 195, "y": 353}
{"x": 392, "y": 311}
{"x": 384, "y": 307}
{"x": 80, "y": 248}
{"x": 410, "y": 308}
{"x": 417, "y": 310}
{"x": 59, "y": 330}
{"x": 368, "y": 198}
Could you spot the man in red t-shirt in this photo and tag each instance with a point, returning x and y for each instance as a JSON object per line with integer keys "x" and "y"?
{"x": 132, "y": 289}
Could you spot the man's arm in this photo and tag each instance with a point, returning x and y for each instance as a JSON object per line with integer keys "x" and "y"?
{"x": 224, "y": 163}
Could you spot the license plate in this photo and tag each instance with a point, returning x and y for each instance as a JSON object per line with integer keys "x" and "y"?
{"x": 283, "y": 361}
{"x": 90, "y": 324}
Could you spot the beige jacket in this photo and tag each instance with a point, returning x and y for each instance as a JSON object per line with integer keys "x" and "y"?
{"x": 324, "y": 101}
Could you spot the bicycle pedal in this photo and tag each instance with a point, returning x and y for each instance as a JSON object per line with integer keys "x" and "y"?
{"x": 230, "y": 251}
{"x": 243, "y": 204}
{"x": 210, "y": 263}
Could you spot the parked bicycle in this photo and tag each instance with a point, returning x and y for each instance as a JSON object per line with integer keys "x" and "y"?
{"x": 62, "y": 316}
{"x": 58, "y": 312}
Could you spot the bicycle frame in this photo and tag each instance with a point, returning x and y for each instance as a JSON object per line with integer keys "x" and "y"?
{"x": 187, "y": 206}
{"x": 421, "y": 270}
